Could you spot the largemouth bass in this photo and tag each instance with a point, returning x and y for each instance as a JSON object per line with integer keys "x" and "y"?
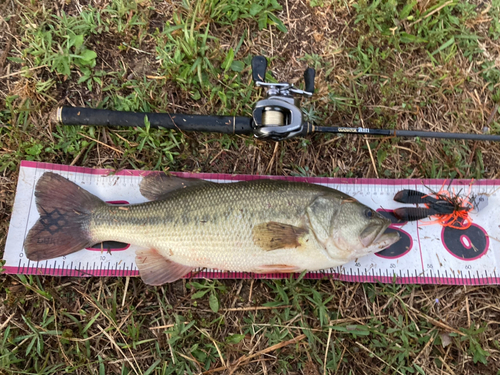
{"x": 253, "y": 226}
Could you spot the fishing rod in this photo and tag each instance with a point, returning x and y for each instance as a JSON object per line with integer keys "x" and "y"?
{"x": 277, "y": 117}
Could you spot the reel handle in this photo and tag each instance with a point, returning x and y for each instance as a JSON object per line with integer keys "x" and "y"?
{"x": 309, "y": 76}
{"x": 259, "y": 67}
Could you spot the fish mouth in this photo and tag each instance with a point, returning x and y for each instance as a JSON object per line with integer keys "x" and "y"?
{"x": 374, "y": 236}
{"x": 384, "y": 240}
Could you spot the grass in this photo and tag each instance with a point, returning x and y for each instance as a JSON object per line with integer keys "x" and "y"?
{"x": 388, "y": 64}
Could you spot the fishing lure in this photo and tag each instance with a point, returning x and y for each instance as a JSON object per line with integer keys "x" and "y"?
{"x": 446, "y": 208}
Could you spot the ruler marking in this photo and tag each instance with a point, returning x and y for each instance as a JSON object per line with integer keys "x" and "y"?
{"x": 420, "y": 247}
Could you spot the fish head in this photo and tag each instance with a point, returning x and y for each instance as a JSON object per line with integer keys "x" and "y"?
{"x": 349, "y": 230}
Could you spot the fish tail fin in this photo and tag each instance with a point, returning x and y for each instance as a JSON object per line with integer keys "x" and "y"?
{"x": 65, "y": 211}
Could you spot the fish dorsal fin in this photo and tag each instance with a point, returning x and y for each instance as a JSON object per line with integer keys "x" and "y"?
{"x": 158, "y": 270}
{"x": 157, "y": 186}
{"x": 272, "y": 235}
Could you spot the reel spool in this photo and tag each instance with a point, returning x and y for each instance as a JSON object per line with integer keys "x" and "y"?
{"x": 272, "y": 116}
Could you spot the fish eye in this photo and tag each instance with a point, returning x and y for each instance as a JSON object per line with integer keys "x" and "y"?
{"x": 369, "y": 213}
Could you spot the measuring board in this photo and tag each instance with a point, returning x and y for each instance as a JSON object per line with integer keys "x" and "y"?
{"x": 425, "y": 254}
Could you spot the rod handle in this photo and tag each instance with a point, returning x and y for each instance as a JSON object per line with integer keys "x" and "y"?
{"x": 78, "y": 116}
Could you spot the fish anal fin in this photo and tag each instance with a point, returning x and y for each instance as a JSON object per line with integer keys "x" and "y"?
{"x": 157, "y": 186}
{"x": 158, "y": 270}
{"x": 277, "y": 268}
{"x": 272, "y": 235}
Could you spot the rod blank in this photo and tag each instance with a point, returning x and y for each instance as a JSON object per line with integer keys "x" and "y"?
{"x": 406, "y": 133}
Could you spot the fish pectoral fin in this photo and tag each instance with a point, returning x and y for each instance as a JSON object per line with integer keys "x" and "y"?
{"x": 157, "y": 186}
{"x": 158, "y": 270}
{"x": 272, "y": 235}
{"x": 277, "y": 268}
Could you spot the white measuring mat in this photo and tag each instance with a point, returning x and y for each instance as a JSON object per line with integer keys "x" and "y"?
{"x": 426, "y": 254}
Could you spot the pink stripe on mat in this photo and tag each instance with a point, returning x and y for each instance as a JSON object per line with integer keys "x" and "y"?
{"x": 245, "y": 177}
{"x": 243, "y": 275}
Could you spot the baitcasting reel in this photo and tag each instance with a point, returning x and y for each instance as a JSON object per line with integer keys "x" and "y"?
{"x": 278, "y": 117}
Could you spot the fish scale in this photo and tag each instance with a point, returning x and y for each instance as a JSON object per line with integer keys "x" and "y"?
{"x": 209, "y": 226}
